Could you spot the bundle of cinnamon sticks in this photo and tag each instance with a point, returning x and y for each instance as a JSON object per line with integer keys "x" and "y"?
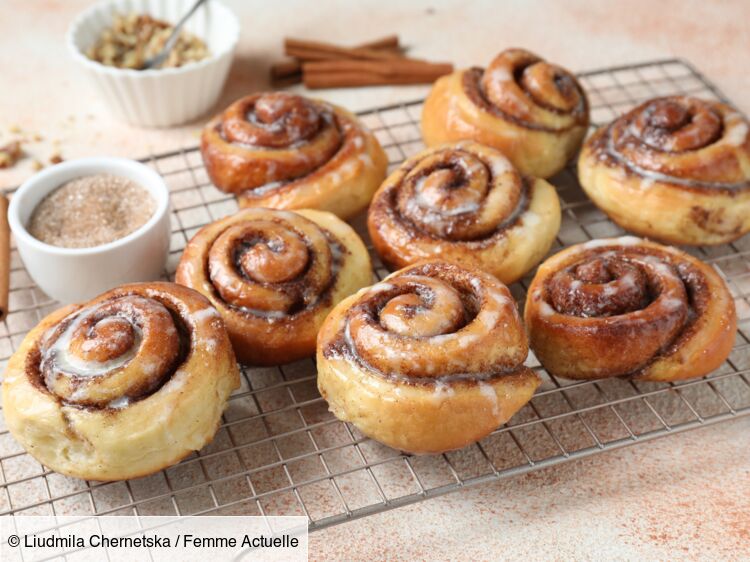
{"x": 379, "y": 62}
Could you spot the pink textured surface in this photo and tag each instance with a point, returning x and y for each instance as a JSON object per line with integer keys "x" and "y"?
{"x": 685, "y": 497}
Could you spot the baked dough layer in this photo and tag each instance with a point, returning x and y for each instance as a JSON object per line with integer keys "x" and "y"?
{"x": 135, "y": 434}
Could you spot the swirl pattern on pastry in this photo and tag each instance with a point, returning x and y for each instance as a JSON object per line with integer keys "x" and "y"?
{"x": 428, "y": 360}
{"x": 274, "y": 275}
{"x": 685, "y": 162}
{"x": 533, "y": 111}
{"x": 285, "y": 151}
{"x": 123, "y": 386}
{"x": 467, "y": 204}
{"x": 629, "y": 307}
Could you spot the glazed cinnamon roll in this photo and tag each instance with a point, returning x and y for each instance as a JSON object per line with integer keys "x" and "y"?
{"x": 626, "y": 307}
{"x": 274, "y": 275}
{"x": 122, "y": 386}
{"x": 464, "y": 203}
{"x": 533, "y": 111}
{"x": 285, "y": 151}
{"x": 428, "y": 360}
{"x": 675, "y": 168}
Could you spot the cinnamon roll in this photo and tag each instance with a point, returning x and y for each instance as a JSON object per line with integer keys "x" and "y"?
{"x": 428, "y": 360}
{"x": 274, "y": 275}
{"x": 626, "y": 307}
{"x": 464, "y": 203}
{"x": 122, "y": 386}
{"x": 674, "y": 168}
{"x": 533, "y": 111}
{"x": 285, "y": 151}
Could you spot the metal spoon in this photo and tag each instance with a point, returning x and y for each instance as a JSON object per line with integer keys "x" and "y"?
{"x": 159, "y": 58}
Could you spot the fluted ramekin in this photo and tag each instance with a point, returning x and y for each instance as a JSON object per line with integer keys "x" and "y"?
{"x": 159, "y": 97}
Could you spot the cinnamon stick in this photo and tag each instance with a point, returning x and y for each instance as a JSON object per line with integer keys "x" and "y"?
{"x": 286, "y": 69}
{"x": 352, "y": 73}
{"x": 289, "y": 69}
{"x": 317, "y": 50}
{"x": 4, "y": 257}
{"x": 401, "y": 66}
{"x": 321, "y": 81}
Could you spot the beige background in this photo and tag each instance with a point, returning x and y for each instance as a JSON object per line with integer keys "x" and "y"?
{"x": 685, "y": 497}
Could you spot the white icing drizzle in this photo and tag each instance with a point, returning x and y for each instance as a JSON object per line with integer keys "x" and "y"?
{"x": 266, "y": 188}
{"x": 476, "y": 284}
{"x": 736, "y": 131}
{"x": 176, "y": 381}
{"x": 210, "y": 344}
{"x": 271, "y": 170}
{"x": 404, "y": 355}
{"x": 69, "y": 363}
{"x": 149, "y": 368}
{"x": 222, "y": 278}
{"x": 499, "y": 299}
{"x": 206, "y": 314}
{"x": 661, "y": 177}
{"x": 501, "y": 74}
{"x": 545, "y": 309}
{"x": 621, "y": 241}
{"x": 463, "y": 338}
{"x": 609, "y": 290}
{"x": 435, "y": 217}
{"x": 267, "y": 314}
{"x": 531, "y": 219}
{"x": 119, "y": 403}
{"x": 398, "y": 324}
{"x": 489, "y": 393}
{"x": 628, "y": 280}
{"x": 380, "y": 287}
{"x": 500, "y": 166}
{"x": 672, "y": 303}
{"x": 660, "y": 267}
{"x": 442, "y": 391}
{"x": 189, "y": 268}
{"x": 79, "y": 393}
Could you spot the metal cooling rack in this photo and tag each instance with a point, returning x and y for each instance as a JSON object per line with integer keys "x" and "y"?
{"x": 280, "y": 452}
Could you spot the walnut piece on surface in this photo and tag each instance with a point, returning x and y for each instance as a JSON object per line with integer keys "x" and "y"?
{"x": 9, "y": 154}
{"x": 133, "y": 38}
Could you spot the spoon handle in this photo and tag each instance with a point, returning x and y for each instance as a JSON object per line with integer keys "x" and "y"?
{"x": 172, "y": 40}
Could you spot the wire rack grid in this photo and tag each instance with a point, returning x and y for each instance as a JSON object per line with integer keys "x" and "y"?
{"x": 280, "y": 452}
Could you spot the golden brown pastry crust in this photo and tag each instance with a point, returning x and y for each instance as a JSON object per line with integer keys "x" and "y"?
{"x": 274, "y": 276}
{"x": 676, "y": 169}
{"x": 534, "y": 112}
{"x": 122, "y": 386}
{"x": 629, "y": 307}
{"x": 284, "y": 151}
{"x": 464, "y": 203}
{"x": 428, "y": 360}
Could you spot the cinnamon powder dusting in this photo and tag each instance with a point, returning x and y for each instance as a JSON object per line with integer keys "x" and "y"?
{"x": 90, "y": 211}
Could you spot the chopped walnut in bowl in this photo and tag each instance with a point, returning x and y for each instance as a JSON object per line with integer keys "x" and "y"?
{"x": 182, "y": 89}
{"x": 134, "y": 38}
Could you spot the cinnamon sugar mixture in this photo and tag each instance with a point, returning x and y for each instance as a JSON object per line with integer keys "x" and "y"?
{"x": 90, "y": 211}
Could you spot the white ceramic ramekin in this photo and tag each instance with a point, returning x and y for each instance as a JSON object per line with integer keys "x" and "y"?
{"x": 159, "y": 97}
{"x": 78, "y": 274}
